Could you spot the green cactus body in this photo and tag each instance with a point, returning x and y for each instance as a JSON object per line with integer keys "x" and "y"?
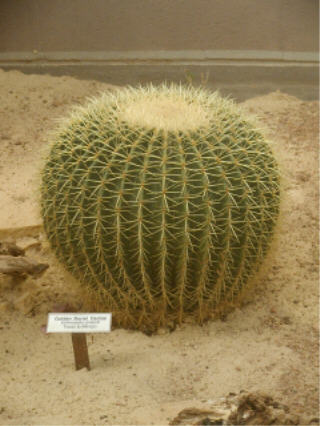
{"x": 162, "y": 200}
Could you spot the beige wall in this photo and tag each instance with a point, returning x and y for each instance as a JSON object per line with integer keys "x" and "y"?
{"x": 135, "y": 25}
{"x": 244, "y": 47}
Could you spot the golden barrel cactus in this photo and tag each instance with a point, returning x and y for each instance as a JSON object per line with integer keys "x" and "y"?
{"x": 160, "y": 200}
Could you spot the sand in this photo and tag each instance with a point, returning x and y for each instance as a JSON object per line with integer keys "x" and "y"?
{"x": 270, "y": 345}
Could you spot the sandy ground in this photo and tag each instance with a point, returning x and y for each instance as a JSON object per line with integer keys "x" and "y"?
{"x": 269, "y": 345}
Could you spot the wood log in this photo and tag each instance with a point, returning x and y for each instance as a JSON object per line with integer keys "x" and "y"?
{"x": 17, "y": 265}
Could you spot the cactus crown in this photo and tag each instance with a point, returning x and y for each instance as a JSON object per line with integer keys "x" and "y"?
{"x": 162, "y": 200}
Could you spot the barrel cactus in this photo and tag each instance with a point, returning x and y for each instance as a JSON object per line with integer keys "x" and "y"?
{"x": 161, "y": 200}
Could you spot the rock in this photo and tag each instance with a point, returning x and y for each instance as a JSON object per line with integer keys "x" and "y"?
{"x": 17, "y": 265}
{"x": 9, "y": 248}
{"x": 29, "y": 242}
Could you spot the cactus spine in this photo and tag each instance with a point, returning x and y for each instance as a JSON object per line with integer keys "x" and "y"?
{"x": 162, "y": 200}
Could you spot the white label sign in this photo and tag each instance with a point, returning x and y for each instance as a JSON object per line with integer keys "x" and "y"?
{"x": 79, "y": 323}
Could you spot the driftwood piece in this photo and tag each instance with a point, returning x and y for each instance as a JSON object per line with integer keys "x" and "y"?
{"x": 245, "y": 408}
{"x": 17, "y": 265}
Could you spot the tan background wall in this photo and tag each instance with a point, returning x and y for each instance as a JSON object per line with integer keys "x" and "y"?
{"x": 237, "y": 42}
{"x": 100, "y": 25}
